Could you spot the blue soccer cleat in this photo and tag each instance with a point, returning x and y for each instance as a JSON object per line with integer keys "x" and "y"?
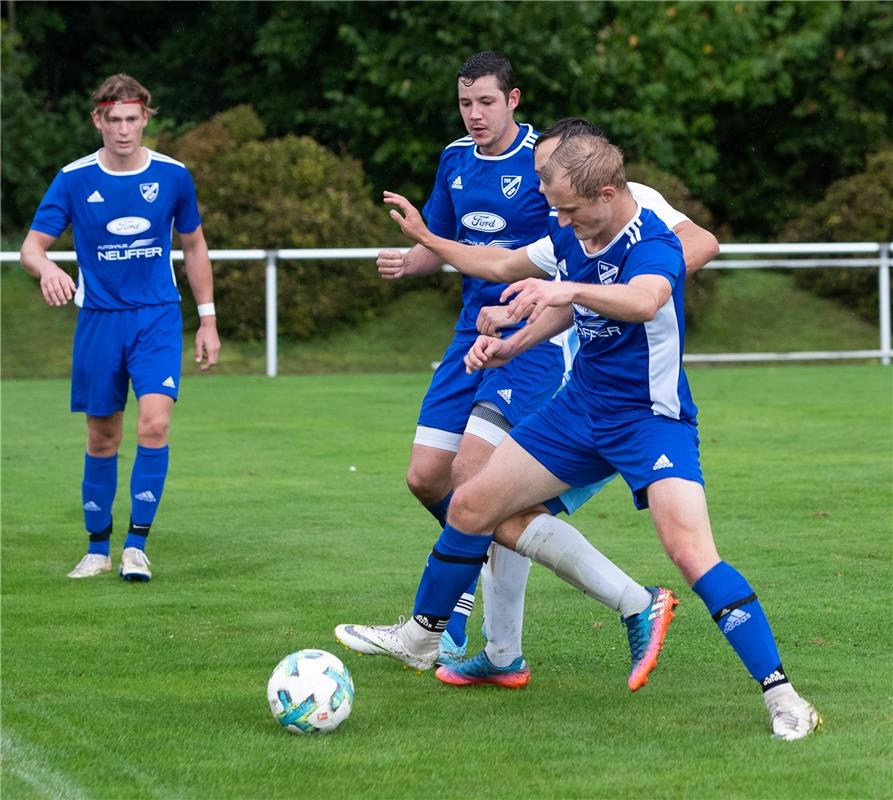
{"x": 479, "y": 669}
{"x": 646, "y": 632}
{"x": 449, "y": 650}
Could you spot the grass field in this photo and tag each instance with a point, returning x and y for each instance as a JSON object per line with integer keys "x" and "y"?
{"x": 265, "y": 540}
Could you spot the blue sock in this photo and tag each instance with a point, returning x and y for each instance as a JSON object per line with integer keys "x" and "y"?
{"x": 735, "y": 608}
{"x": 146, "y": 487}
{"x": 438, "y": 510}
{"x": 455, "y": 560}
{"x": 462, "y": 611}
{"x": 98, "y": 493}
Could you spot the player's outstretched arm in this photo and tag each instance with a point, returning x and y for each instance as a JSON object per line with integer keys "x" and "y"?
{"x": 201, "y": 281}
{"x": 699, "y": 246}
{"x": 496, "y": 264}
{"x": 56, "y": 284}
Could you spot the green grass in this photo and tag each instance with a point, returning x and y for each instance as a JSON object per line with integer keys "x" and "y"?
{"x": 752, "y": 311}
{"x": 763, "y": 311}
{"x": 265, "y": 540}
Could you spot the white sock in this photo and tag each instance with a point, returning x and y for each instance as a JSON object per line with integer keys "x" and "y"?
{"x": 503, "y": 581}
{"x": 559, "y": 546}
{"x": 418, "y": 638}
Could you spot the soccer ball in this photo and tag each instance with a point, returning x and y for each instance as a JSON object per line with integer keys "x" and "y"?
{"x": 310, "y": 691}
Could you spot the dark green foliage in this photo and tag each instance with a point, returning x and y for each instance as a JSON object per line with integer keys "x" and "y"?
{"x": 41, "y": 133}
{"x": 284, "y": 193}
{"x": 855, "y": 209}
{"x": 756, "y": 106}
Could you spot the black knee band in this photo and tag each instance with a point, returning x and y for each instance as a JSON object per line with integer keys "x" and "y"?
{"x": 732, "y": 606}
{"x": 458, "y": 559}
{"x": 103, "y": 536}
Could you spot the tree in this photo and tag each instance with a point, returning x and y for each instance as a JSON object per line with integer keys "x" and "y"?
{"x": 858, "y": 208}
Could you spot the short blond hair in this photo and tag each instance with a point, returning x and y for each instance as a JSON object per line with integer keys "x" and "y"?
{"x": 590, "y": 163}
{"x": 118, "y": 88}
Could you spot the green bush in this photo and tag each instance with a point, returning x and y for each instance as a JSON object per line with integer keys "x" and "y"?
{"x": 854, "y": 209}
{"x": 284, "y": 193}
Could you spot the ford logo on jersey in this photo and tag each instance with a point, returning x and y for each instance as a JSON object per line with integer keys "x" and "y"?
{"x": 483, "y": 221}
{"x": 128, "y": 226}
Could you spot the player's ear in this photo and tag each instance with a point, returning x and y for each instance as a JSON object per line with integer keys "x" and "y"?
{"x": 608, "y": 193}
{"x": 95, "y": 115}
{"x": 514, "y": 98}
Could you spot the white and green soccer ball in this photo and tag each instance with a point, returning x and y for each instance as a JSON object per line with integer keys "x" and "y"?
{"x": 310, "y": 691}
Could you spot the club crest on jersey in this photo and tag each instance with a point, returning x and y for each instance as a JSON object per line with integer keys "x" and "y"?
{"x": 149, "y": 191}
{"x": 510, "y": 185}
{"x": 606, "y": 273}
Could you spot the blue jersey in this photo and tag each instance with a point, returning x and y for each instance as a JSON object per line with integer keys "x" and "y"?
{"x": 122, "y": 223}
{"x": 627, "y": 369}
{"x": 487, "y": 200}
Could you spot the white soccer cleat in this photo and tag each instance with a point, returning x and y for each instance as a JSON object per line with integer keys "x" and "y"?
{"x": 134, "y": 565}
{"x": 790, "y": 716}
{"x": 90, "y": 565}
{"x": 396, "y": 641}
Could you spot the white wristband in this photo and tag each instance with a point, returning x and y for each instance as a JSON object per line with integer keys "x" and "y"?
{"x": 206, "y": 310}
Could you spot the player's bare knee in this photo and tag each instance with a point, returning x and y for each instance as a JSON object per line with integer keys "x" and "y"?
{"x": 692, "y": 561}
{"x": 153, "y": 431}
{"x": 102, "y": 445}
{"x": 468, "y": 513}
{"x": 103, "y": 436}
{"x": 424, "y": 486}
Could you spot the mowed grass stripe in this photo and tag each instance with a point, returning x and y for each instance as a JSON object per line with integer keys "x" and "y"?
{"x": 266, "y": 539}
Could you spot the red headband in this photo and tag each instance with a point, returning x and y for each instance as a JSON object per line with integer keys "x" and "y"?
{"x": 120, "y": 102}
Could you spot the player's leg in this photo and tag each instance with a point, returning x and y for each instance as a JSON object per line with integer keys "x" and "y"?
{"x": 561, "y": 437}
{"x": 503, "y": 399}
{"x": 510, "y": 481}
{"x": 679, "y": 509}
{"x": 429, "y": 470}
{"x": 98, "y": 489}
{"x": 442, "y": 419}
{"x": 668, "y": 449}
{"x": 475, "y": 449}
{"x": 154, "y": 357}
{"x": 98, "y": 389}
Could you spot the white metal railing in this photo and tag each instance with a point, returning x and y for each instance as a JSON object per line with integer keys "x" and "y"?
{"x": 875, "y": 255}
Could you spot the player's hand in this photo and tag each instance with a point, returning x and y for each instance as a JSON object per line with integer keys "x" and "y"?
{"x": 56, "y": 284}
{"x": 207, "y": 343}
{"x": 407, "y": 217}
{"x": 391, "y": 264}
{"x": 491, "y": 319}
{"x": 532, "y": 296}
{"x": 488, "y": 352}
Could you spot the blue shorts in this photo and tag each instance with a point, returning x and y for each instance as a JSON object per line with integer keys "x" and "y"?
{"x": 143, "y": 346}
{"x": 516, "y": 389}
{"x": 582, "y": 450}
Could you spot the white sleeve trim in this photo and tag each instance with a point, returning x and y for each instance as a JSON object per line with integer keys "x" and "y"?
{"x": 542, "y": 254}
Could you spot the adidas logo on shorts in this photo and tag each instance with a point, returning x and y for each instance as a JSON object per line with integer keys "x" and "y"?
{"x": 662, "y": 463}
